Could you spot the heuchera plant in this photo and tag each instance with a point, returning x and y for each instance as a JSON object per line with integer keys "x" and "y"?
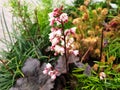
{"x": 62, "y": 40}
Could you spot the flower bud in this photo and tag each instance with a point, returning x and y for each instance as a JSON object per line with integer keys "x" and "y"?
{"x": 48, "y": 65}
{"x": 45, "y": 71}
{"x": 53, "y": 77}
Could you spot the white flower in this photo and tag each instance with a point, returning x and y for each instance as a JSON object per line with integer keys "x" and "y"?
{"x": 64, "y": 17}
{"x": 113, "y": 5}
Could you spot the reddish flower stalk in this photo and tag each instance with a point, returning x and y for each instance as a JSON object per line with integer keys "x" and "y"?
{"x": 66, "y": 58}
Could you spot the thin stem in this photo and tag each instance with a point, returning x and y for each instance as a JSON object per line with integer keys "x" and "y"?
{"x": 66, "y": 58}
{"x": 83, "y": 57}
{"x": 101, "y": 49}
{"x": 6, "y": 67}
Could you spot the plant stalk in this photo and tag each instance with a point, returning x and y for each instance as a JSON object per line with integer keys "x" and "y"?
{"x": 101, "y": 49}
{"x": 66, "y": 58}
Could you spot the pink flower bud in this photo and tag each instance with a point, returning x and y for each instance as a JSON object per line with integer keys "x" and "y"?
{"x": 52, "y": 21}
{"x": 45, "y": 71}
{"x": 53, "y": 77}
{"x": 50, "y": 73}
{"x": 59, "y": 49}
{"x": 64, "y": 17}
{"x": 48, "y": 66}
{"x": 73, "y": 30}
{"x": 55, "y": 41}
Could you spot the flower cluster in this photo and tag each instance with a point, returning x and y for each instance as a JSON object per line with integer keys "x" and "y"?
{"x": 57, "y": 16}
{"x": 50, "y": 71}
{"x": 61, "y": 39}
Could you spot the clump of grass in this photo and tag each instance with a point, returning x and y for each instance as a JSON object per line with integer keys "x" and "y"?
{"x": 29, "y": 39}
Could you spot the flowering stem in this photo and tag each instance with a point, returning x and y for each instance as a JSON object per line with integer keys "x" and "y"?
{"x": 66, "y": 58}
{"x": 84, "y": 56}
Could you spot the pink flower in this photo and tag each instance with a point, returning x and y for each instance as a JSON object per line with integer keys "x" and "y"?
{"x": 53, "y": 74}
{"x": 53, "y": 29}
{"x": 48, "y": 66}
{"x": 51, "y": 15}
{"x": 53, "y": 77}
{"x": 55, "y": 41}
{"x": 59, "y": 49}
{"x": 51, "y": 36}
{"x": 70, "y": 31}
{"x": 56, "y": 12}
{"x": 52, "y": 48}
{"x": 45, "y": 71}
{"x": 73, "y": 30}
{"x": 55, "y": 34}
{"x": 52, "y": 21}
{"x": 64, "y": 17}
{"x": 67, "y": 32}
{"x": 50, "y": 73}
{"x": 57, "y": 20}
{"x": 58, "y": 32}
{"x": 75, "y": 52}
